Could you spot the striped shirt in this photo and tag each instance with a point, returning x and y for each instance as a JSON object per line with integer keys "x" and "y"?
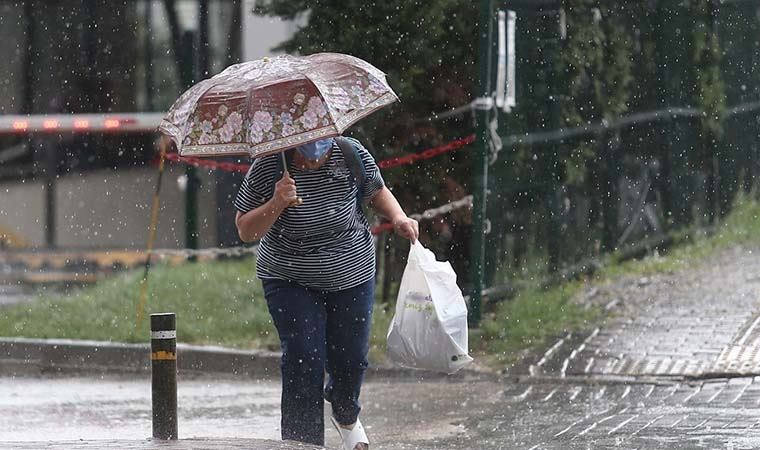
{"x": 325, "y": 243}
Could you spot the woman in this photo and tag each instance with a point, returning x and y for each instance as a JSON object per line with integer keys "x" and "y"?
{"x": 317, "y": 265}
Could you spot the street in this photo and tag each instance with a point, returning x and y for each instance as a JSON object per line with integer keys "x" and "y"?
{"x": 674, "y": 367}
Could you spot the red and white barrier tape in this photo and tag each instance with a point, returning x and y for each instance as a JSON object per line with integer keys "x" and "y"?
{"x": 426, "y": 154}
{"x": 385, "y": 164}
{"x": 429, "y": 213}
{"x": 242, "y": 250}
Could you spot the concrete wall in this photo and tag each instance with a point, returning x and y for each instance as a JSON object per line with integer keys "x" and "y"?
{"x": 110, "y": 209}
{"x": 21, "y": 206}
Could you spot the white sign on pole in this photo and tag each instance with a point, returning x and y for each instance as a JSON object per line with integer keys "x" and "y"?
{"x": 501, "y": 64}
{"x": 505, "y": 68}
{"x": 511, "y": 98}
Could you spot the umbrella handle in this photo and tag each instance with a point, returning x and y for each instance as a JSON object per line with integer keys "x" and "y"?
{"x": 298, "y": 200}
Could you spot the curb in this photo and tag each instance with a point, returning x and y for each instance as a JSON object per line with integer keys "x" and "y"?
{"x": 23, "y": 356}
{"x": 35, "y": 357}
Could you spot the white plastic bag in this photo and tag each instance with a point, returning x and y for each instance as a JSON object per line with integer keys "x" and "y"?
{"x": 429, "y": 329}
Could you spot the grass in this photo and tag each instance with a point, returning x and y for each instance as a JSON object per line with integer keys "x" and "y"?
{"x": 218, "y": 303}
{"x": 740, "y": 227}
{"x": 530, "y": 320}
{"x": 221, "y": 302}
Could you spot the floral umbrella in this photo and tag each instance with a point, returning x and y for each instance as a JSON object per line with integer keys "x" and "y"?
{"x": 265, "y": 106}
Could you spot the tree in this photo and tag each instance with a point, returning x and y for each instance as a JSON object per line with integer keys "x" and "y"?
{"x": 428, "y": 51}
{"x": 597, "y": 63}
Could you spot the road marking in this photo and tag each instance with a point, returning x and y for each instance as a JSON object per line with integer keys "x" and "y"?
{"x": 576, "y": 352}
{"x": 698, "y": 425}
{"x": 696, "y": 391}
{"x": 622, "y": 425}
{"x": 524, "y": 395}
{"x": 716, "y": 394}
{"x": 679, "y": 421}
{"x": 675, "y": 389}
{"x": 550, "y": 395}
{"x": 586, "y": 430}
{"x": 599, "y": 422}
{"x": 568, "y": 428}
{"x": 626, "y": 392}
{"x": 728, "y": 424}
{"x": 533, "y": 368}
{"x": 738, "y": 396}
{"x": 648, "y": 424}
{"x": 749, "y": 331}
{"x": 576, "y": 391}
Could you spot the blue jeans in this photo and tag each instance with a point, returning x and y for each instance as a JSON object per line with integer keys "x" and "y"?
{"x": 320, "y": 331}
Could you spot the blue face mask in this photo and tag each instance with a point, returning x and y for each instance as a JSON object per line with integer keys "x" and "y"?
{"x": 313, "y": 151}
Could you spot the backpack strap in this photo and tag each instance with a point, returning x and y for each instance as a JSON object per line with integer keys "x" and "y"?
{"x": 354, "y": 164}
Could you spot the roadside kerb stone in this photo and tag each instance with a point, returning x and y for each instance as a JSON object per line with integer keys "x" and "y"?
{"x": 182, "y": 444}
{"x": 28, "y": 357}
{"x": 23, "y": 356}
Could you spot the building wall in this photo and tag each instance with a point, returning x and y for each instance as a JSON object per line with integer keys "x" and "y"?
{"x": 261, "y": 34}
{"x": 109, "y": 209}
{"x": 21, "y": 206}
{"x": 81, "y": 69}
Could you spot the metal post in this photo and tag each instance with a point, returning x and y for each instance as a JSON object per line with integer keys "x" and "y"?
{"x": 189, "y": 75}
{"x": 163, "y": 356}
{"x": 480, "y": 168}
{"x": 202, "y": 67}
{"x": 51, "y": 168}
{"x": 148, "y": 44}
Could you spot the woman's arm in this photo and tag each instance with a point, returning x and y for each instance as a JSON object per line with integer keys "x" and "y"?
{"x": 387, "y": 206}
{"x": 255, "y": 223}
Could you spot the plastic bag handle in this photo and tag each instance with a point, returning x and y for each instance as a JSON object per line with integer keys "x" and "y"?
{"x": 420, "y": 253}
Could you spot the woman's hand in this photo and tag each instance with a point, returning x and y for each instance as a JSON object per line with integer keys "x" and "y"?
{"x": 407, "y": 227}
{"x": 285, "y": 192}
{"x": 255, "y": 223}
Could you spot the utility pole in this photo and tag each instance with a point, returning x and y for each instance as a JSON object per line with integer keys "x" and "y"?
{"x": 200, "y": 59}
{"x": 480, "y": 167}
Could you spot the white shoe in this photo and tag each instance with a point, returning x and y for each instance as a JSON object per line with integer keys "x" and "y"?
{"x": 353, "y": 439}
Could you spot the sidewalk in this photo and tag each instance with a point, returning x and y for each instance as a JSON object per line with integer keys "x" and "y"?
{"x": 704, "y": 323}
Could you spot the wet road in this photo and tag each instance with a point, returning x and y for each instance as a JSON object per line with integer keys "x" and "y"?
{"x": 677, "y": 367}
{"x": 73, "y": 408}
{"x": 61, "y": 408}
{"x": 407, "y": 415}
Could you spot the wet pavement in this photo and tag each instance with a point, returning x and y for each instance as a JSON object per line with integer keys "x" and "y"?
{"x": 702, "y": 323}
{"x": 707, "y": 414}
{"x": 675, "y": 368}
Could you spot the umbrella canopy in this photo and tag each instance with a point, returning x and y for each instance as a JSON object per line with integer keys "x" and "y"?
{"x": 265, "y": 106}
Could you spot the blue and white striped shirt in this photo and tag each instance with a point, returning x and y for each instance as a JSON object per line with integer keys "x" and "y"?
{"x": 324, "y": 243}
